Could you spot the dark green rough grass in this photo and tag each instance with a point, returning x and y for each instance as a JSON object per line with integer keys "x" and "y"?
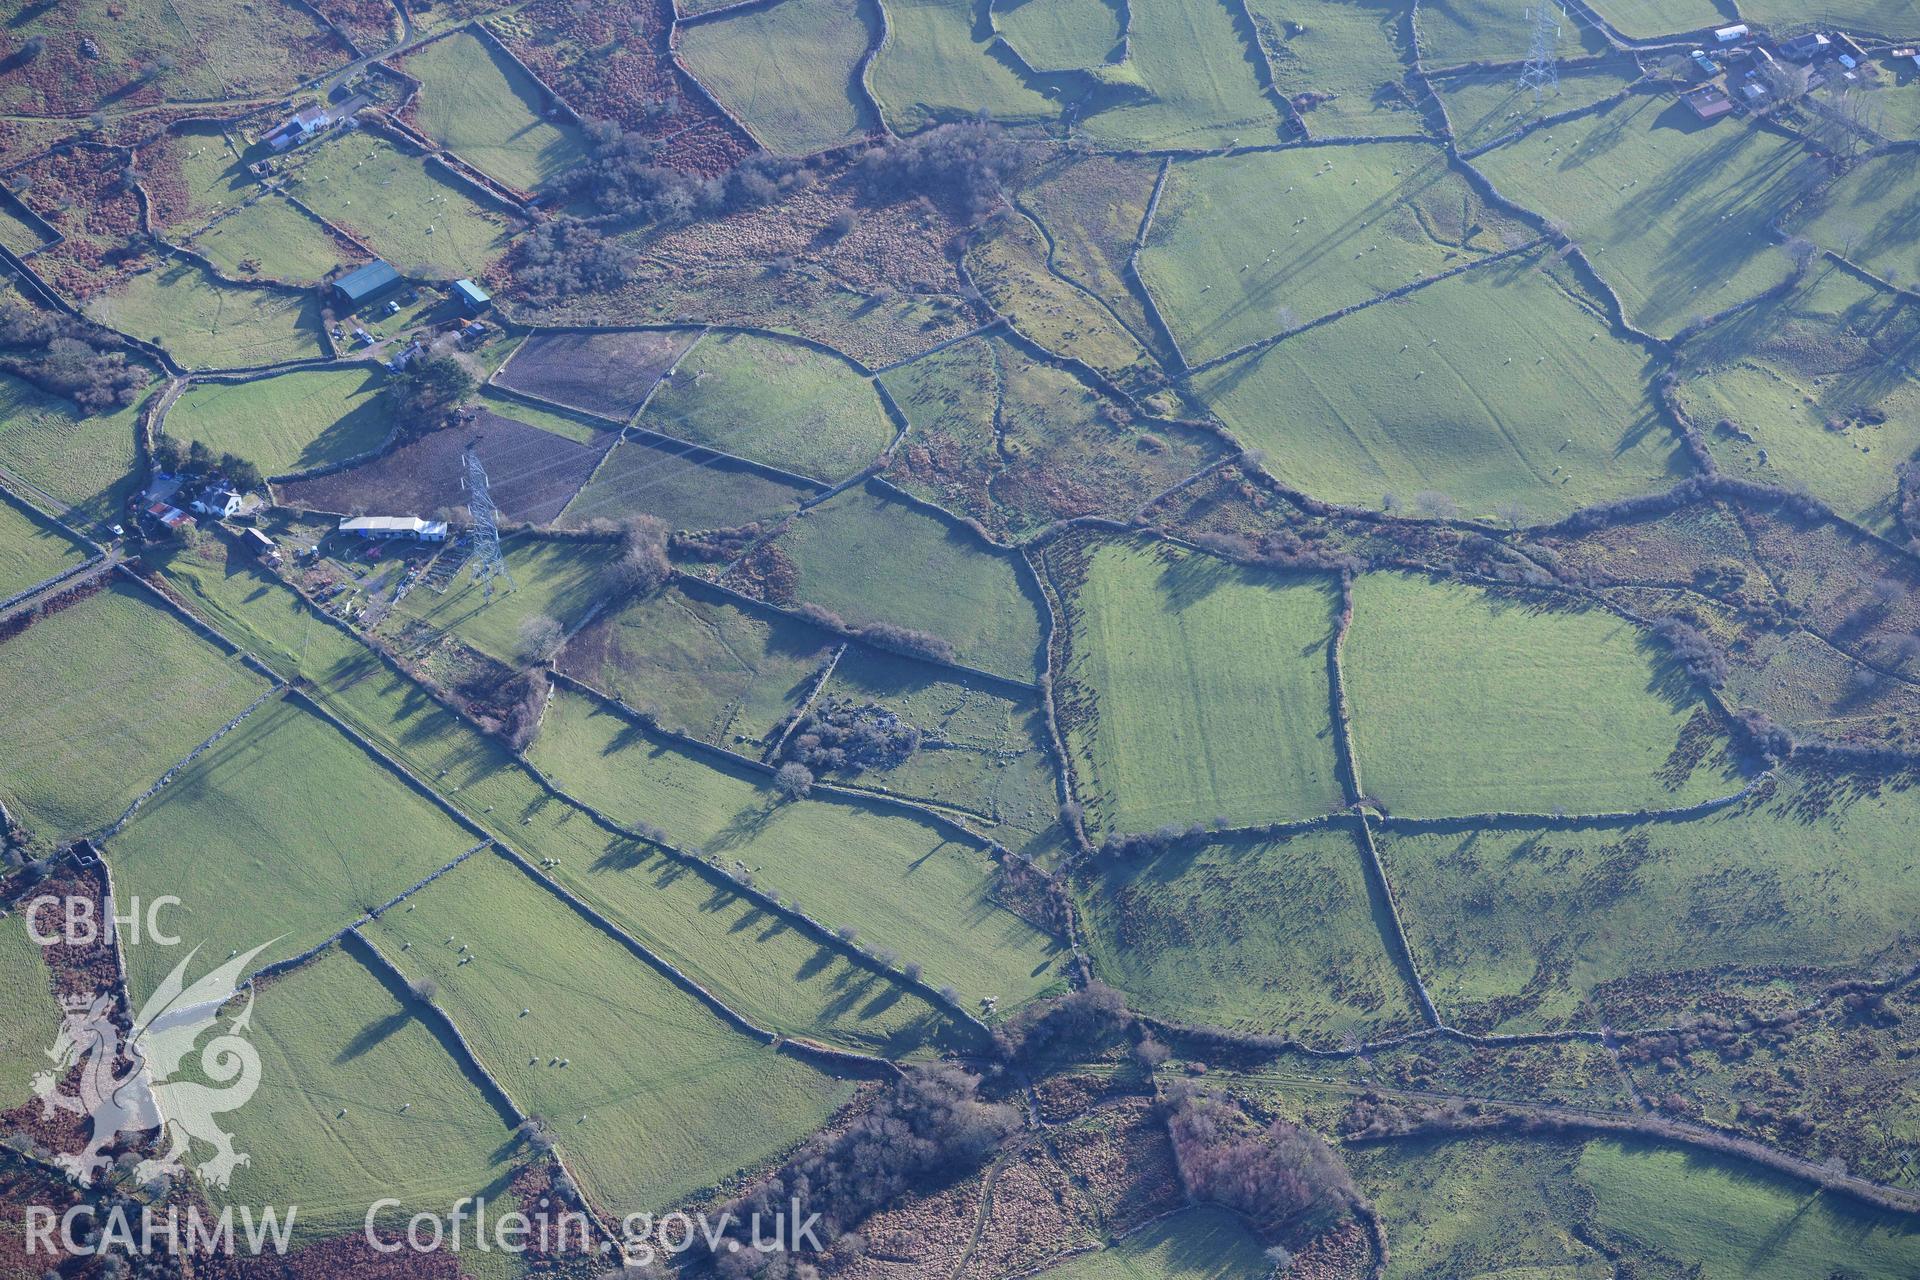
{"x": 1272, "y": 937}
{"x": 1524, "y": 928}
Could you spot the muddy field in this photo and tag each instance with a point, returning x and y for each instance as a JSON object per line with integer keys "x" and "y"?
{"x": 533, "y": 473}
{"x": 605, "y": 374}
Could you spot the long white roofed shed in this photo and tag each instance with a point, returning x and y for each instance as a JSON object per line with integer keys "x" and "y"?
{"x": 396, "y": 527}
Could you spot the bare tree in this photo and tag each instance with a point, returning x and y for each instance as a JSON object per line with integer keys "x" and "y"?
{"x": 1435, "y": 504}
{"x": 1512, "y": 513}
{"x": 793, "y": 780}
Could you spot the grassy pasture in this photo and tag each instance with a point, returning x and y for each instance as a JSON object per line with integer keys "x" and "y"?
{"x": 275, "y": 241}
{"x": 899, "y": 881}
{"x": 290, "y": 421}
{"x": 32, "y": 548}
{"x": 1191, "y": 80}
{"x": 1871, "y": 217}
{"x": 1732, "y": 1221}
{"x": 1673, "y": 212}
{"x": 1478, "y": 1207}
{"x": 107, "y": 695}
{"x": 774, "y": 402}
{"x": 552, "y": 578}
{"x": 773, "y": 974}
{"x": 1485, "y": 106}
{"x": 1246, "y": 246}
{"x": 208, "y": 325}
{"x": 1467, "y": 702}
{"x": 1455, "y": 31}
{"x": 1263, "y": 936}
{"x": 788, "y": 71}
{"x": 1092, "y": 210}
{"x": 1861, "y": 17}
{"x": 1195, "y": 690}
{"x": 285, "y": 832}
{"x": 485, "y": 110}
{"x": 941, "y": 62}
{"x": 333, "y": 1037}
{"x": 682, "y": 487}
{"x": 1499, "y": 388}
{"x": 1009, "y": 266}
{"x": 658, "y": 1098}
{"x": 870, "y": 558}
{"x": 426, "y": 224}
{"x": 1205, "y": 1242}
{"x": 1802, "y": 378}
{"x": 1648, "y": 19}
{"x": 1058, "y": 35}
{"x": 569, "y": 424}
{"x": 989, "y": 759}
{"x": 707, "y": 668}
{"x": 1347, "y": 57}
{"x": 29, "y": 1014}
{"x": 213, "y": 176}
{"x": 1528, "y": 928}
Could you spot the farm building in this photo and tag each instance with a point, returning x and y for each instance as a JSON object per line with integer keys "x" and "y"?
{"x": 299, "y": 127}
{"x": 473, "y": 299}
{"x": 1806, "y": 48}
{"x": 363, "y": 284}
{"x": 1709, "y": 101}
{"x": 396, "y": 527}
{"x": 258, "y": 543}
{"x": 218, "y": 503}
{"x": 170, "y": 518}
{"x": 1727, "y": 35}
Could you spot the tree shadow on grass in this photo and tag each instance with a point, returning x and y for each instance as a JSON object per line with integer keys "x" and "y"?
{"x": 372, "y": 1035}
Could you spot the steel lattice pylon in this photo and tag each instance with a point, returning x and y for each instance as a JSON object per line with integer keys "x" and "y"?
{"x": 489, "y": 563}
{"x": 1542, "y": 72}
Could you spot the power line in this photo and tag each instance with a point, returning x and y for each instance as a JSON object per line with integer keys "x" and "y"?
{"x": 486, "y": 525}
{"x": 1542, "y": 72}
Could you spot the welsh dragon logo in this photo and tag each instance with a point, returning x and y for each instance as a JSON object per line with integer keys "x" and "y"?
{"x": 130, "y": 1088}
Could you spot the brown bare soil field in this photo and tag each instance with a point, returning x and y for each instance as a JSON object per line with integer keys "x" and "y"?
{"x": 533, "y": 473}
{"x": 607, "y": 374}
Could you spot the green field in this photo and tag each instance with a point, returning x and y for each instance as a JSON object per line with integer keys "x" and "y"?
{"x": 32, "y": 548}
{"x": 982, "y": 749}
{"x": 421, "y": 221}
{"x": 272, "y": 240}
{"x": 1202, "y": 1243}
{"x": 1869, "y": 216}
{"x": 29, "y": 1014}
{"x": 552, "y": 578}
{"x": 1092, "y": 211}
{"x": 1197, "y": 690}
{"x": 641, "y": 477}
{"x": 1648, "y": 19}
{"x": 285, "y": 832}
{"x": 78, "y": 461}
{"x": 1861, "y": 17}
{"x": 481, "y": 107}
{"x": 902, "y": 883}
{"x": 108, "y": 695}
{"x": 1272, "y": 937}
{"x": 771, "y": 973}
{"x": 1804, "y": 379}
{"x": 290, "y": 421}
{"x": 1734, "y": 1222}
{"x": 341, "y": 1053}
{"x": 208, "y": 325}
{"x": 872, "y": 559}
{"x": 1190, "y": 80}
{"x": 1479, "y": 1207}
{"x": 1457, "y": 31}
{"x": 1500, "y": 389}
{"x": 1466, "y": 702}
{"x": 774, "y": 402}
{"x": 940, "y": 62}
{"x": 1522, "y": 928}
{"x": 788, "y": 71}
{"x": 1247, "y": 246}
{"x": 706, "y": 668}
{"x": 1346, "y": 58}
{"x": 1058, "y": 35}
{"x": 1672, "y": 212}
{"x": 1485, "y": 106}
{"x": 658, "y": 1098}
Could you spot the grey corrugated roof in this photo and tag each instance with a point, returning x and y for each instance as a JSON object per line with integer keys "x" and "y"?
{"x": 364, "y": 282}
